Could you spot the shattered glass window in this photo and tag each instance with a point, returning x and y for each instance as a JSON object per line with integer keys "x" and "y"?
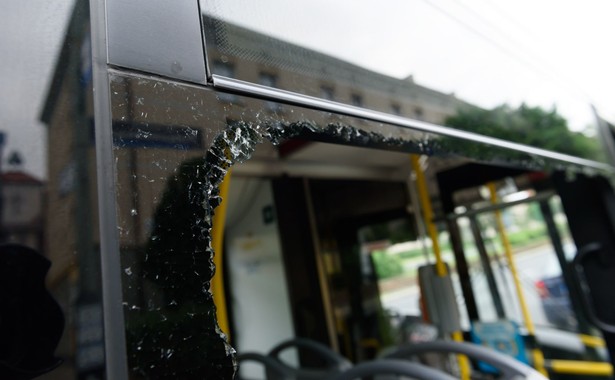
{"x": 166, "y": 192}
{"x": 174, "y": 144}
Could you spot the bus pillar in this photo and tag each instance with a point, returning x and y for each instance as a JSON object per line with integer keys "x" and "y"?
{"x": 486, "y": 263}
{"x": 462, "y": 269}
{"x": 589, "y": 203}
{"x": 575, "y": 295}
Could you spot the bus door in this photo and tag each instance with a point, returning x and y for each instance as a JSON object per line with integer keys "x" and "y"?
{"x": 354, "y": 219}
{"x": 589, "y": 203}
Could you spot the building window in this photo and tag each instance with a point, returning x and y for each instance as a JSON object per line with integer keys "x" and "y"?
{"x": 418, "y": 113}
{"x": 356, "y": 100}
{"x": 326, "y": 92}
{"x": 225, "y": 69}
{"x": 269, "y": 80}
{"x": 396, "y": 109}
{"x": 17, "y": 202}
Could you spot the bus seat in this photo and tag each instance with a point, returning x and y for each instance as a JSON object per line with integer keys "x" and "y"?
{"x": 333, "y": 362}
{"x": 508, "y": 366}
{"x": 391, "y": 367}
{"x": 274, "y": 370}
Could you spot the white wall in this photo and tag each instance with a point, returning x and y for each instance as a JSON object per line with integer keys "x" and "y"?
{"x": 259, "y": 298}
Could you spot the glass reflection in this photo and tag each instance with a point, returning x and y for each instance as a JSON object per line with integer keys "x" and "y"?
{"x": 488, "y": 86}
{"x": 48, "y": 196}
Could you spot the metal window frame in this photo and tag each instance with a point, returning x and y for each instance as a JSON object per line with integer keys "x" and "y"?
{"x": 240, "y": 87}
{"x": 154, "y": 51}
{"x": 116, "y": 361}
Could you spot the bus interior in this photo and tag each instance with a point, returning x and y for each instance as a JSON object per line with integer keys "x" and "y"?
{"x": 350, "y": 247}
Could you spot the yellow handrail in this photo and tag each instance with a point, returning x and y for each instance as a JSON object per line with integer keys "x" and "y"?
{"x": 464, "y": 365}
{"x": 575, "y": 367}
{"x": 217, "y": 243}
{"x": 527, "y": 319}
{"x": 421, "y": 184}
{"x": 592, "y": 341}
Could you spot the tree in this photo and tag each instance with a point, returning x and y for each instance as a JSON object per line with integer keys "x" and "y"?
{"x": 527, "y": 125}
{"x": 387, "y": 265}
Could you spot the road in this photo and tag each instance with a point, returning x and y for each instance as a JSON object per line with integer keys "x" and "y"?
{"x": 532, "y": 265}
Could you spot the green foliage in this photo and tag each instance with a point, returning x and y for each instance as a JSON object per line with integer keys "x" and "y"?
{"x": 386, "y": 265}
{"x": 525, "y": 237}
{"x": 534, "y": 212}
{"x": 527, "y": 125}
{"x": 411, "y": 254}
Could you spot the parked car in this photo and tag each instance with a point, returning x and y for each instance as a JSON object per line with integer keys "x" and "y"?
{"x": 556, "y": 302}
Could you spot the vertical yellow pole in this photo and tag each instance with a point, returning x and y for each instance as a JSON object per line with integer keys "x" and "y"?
{"x": 464, "y": 366}
{"x": 428, "y": 214}
{"x": 217, "y": 240}
{"x": 539, "y": 360}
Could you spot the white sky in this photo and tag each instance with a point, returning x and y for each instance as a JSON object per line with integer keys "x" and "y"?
{"x": 488, "y": 52}
{"x": 485, "y": 51}
{"x": 30, "y": 35}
